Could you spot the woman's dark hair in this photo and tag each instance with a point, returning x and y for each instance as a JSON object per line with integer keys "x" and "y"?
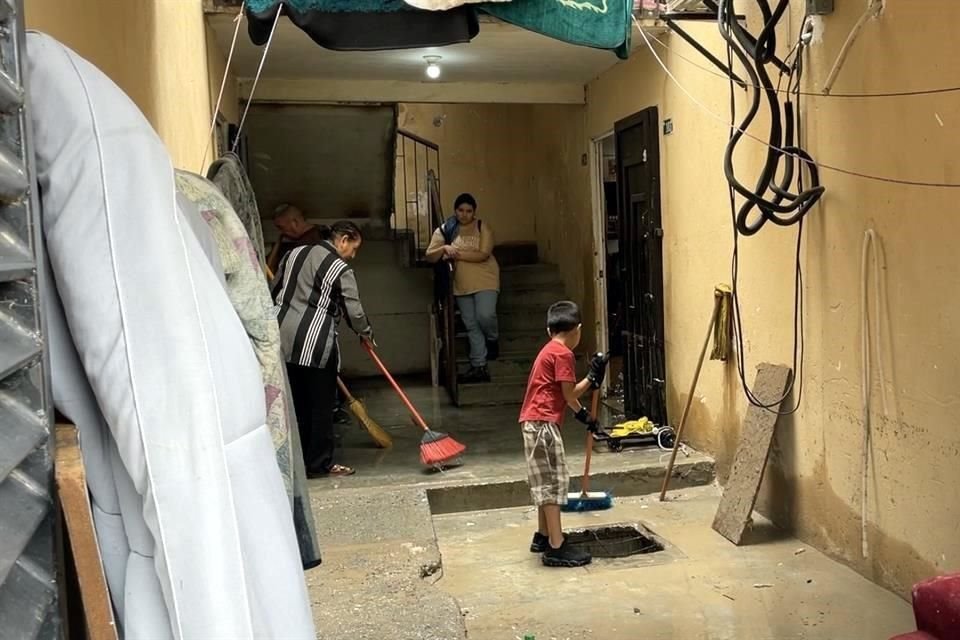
{"x": 464, "y": 198}
{"x": 343, "y": 228}
{"x": 563, "y": 316}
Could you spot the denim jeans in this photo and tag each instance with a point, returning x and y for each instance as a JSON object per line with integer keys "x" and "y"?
{"x": 479, "y": 313}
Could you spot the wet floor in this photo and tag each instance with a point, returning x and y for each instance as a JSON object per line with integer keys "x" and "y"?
{"x": 491, "y": 434}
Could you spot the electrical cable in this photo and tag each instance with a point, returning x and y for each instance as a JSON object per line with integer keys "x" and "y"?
{"x": 795, "y": 72}
{"x": 821, "y": 165}
{"x": 873, "y": 10}
{"x": 870, "y": 241}
{"x": 256, "y": 78}
{"x": 223, "y": 86}
{"x": 782, "y": 207}
{"x": 812, "y": 94}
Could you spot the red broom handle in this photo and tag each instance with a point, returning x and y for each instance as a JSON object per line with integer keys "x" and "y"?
{"x": 396, "y": 387}
{"x": 585, "y": 483}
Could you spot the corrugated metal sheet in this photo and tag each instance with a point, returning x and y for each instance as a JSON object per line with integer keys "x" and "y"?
{"x": 28, "y": 592}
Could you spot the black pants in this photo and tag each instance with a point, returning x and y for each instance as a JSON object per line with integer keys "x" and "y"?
{"x": 314, "y": 394}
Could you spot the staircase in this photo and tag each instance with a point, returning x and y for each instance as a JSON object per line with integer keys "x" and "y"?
{"x": 526, "y": 291}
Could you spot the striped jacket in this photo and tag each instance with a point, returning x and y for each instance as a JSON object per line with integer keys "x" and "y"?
{"x": 313, "y": 289}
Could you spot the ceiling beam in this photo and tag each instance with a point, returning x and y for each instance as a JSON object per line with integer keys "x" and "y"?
{"x": 277, "y": 90}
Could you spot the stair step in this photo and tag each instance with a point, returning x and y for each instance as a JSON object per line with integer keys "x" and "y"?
{"x": 530, "y": 276}
{"x": 508, "y": 391}
{"x": 516, "y": 253}
{"x": 510, "y": 365}
{"x": 533, "y": 300}
{"x": 510, "y": 341}
{"x": 515, "y": 320}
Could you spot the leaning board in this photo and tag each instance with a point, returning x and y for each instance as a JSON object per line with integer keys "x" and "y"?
{"x": 740, "y": 494}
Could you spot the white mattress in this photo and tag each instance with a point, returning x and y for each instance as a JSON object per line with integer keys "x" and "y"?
{"x": 152, "y": 363}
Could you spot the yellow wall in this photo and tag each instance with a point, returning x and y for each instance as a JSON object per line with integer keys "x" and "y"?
{"x": 484, "y": 150}
{"x": 813, "y": 482}
{"x": 155, "y": 50}
{"x": 523, "y": 164}
{"x": 561, "y": 196}
{"x": 216, "y": 65}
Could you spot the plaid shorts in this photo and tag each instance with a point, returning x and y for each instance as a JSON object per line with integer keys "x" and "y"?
{"x": 547, "y": 472}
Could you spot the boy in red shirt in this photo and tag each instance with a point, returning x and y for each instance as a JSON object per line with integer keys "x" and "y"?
{"x": 551, "y": 388}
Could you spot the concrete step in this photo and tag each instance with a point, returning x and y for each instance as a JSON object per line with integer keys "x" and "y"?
{"x": 530, "y": 276}
{"x": 516, "y": 253}
{"x": 510, "y": 365}
{"x": 516, "y": 320}
{"x": 510, "y": 341}
{"x": 498, "y": 392}
{"x": 532, "y": 299}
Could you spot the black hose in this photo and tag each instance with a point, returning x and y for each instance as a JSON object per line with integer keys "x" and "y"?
{"x": 773, "y": 196}
{"x": 784, "y": 207}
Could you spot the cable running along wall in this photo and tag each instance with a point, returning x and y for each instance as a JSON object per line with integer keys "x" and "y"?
{"x": 788, "y": 186}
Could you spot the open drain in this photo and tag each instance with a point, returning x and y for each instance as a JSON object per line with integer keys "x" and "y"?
{"x": 615, "y": 540}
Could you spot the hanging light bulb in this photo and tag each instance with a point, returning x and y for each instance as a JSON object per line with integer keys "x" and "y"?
{"x": 433, "y": 66}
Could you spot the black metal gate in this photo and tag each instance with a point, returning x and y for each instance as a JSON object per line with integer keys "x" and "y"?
{"x": 641, "y": 250}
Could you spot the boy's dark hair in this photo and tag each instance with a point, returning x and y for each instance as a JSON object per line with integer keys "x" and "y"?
{"x": 563, "y": 316}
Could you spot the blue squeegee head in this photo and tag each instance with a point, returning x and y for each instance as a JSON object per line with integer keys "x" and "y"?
{"x": 594, "y": 501}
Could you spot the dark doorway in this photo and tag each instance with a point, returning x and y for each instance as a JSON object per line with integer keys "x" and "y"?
{"x": 641, "y": 265}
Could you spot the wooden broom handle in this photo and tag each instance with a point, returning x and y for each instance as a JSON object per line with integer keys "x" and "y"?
{"x": 717, "y": 298}
{"x": 344, "y": 390}
{"x": 396, "y": 387}
{"x": 594, "y": 406}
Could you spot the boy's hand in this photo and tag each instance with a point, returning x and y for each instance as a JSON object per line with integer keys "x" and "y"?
{"x": 584, "y": 416}
{"x": 598, "y": 369}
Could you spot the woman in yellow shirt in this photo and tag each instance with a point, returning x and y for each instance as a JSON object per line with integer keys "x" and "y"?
{"x": 468, "y": 243}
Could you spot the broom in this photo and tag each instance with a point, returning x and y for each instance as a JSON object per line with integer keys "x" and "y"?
{"x": 588, "y": 500}
{"x": 436, "y": 448}
{"x": 721, "y": 328}
{"x": 380, "y": 437}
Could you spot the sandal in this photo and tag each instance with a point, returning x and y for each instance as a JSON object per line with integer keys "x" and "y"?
{"x": 339, "y": 470}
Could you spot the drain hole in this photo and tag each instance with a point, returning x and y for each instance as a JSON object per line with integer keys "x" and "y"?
{"x": 615, "y": 540}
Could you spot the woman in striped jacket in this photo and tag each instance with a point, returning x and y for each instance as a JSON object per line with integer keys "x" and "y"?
{"x": 313, "y": 289}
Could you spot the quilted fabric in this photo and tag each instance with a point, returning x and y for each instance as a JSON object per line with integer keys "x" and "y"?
{"x": 247, "y": 288}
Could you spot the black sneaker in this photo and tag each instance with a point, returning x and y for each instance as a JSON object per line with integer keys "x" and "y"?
{"x": 540, "y": 543}
{"x": 474, "y": 375}
{"x": 566, "y": 556}
{"x": 493, "y": 349}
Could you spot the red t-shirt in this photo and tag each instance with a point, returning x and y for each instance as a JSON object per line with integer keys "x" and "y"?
{"x": 544, "y": 400}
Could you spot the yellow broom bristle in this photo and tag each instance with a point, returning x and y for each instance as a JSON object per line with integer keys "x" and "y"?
{"x": 723, "y": 327}
{"x": 380, "y": 437}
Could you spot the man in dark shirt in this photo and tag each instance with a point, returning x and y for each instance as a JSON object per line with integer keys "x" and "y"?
{"x": 295, "y": 231}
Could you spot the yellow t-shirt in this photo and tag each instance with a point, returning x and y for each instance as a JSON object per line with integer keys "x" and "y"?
{"x": 470, "y": 277}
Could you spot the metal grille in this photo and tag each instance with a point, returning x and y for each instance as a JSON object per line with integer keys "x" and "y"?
{"x": 414, "y": 216}
{"x": 28, "y": 591}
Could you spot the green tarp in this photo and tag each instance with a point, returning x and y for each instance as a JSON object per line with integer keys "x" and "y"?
{"x": 602, "y": 24}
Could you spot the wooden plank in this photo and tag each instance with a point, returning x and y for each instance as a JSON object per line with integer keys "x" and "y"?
{"x": 740, "y": 494}
{"x": 75, "y": 504}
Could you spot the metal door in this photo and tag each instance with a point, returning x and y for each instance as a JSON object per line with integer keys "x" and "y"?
{"x": 28, "y": 587}
{"x": 641, "y": 267}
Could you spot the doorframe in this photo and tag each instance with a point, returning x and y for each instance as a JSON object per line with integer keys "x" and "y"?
{"x": 599, "y": 227}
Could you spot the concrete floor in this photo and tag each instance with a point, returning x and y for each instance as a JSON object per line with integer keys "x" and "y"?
{"x": 700, "y": 587}
{"x": 420, "y": 555}
{"x": 494, "y": 451}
